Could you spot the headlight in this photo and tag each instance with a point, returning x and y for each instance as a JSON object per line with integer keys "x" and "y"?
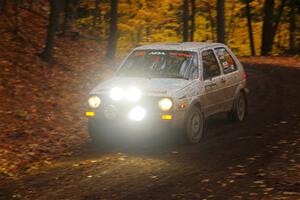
{"x": 165, "y": 104}
{"x": 133, "y": 94}
{"x": 137, "y": 113}
{"x": 94, "y": 101}
{"x": 116, "y": 94}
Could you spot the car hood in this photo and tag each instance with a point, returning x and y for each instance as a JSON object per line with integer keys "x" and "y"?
{"x": 153, "y": 86}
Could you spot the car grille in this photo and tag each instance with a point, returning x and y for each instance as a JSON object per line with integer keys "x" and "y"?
{"x": 123, "y": 107}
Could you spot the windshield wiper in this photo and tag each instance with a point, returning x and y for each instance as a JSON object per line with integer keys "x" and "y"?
{"x": 136, "y": 75}
{"x": 170, "y": 76}
{"x": 150, "y": 75}
{"x": 177, "y": 76}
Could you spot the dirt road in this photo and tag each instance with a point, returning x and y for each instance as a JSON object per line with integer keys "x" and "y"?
{"x": 257, "y": 159}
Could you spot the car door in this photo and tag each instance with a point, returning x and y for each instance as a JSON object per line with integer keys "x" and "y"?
{"x": 230, "y": 75}
{"x": 212, "y": 83}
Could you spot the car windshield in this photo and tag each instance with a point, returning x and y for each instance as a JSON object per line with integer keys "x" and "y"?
{"x": 162, "y": 64}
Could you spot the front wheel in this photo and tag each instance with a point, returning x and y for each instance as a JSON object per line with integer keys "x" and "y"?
{"x": 96, "y": 134}
{"x": 194, "y": 125}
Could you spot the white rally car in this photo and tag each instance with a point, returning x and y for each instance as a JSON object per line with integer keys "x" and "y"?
{"x": 175, "y": 86}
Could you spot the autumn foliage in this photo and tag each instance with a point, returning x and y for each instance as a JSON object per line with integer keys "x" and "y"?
{"x": 42, "y": 104}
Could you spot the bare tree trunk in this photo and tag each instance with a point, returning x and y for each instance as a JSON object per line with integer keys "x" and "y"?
{"x": 292, "y": 27}
{"x": 96, "y": 13}
{"x": 220, "y": 21}
{"x": 193, "y": 24}
{"x": 3, "y": 6}
{"x": 47, "y": 54}
{"x": 269, "y": 29}
{"x": 148, "y": 28}
{"x": 31, "y": 3}
{"x": 249, "y": 20}
{"x": 185, "y": 36}
{"x": 65, "y": 27}
{"x": 16, "y": 30}
{"x": 113, "y": 35}
{"x": 211, "y": 19}
{"x": 231, "y": 25}
{"x": 69, "y": 9}
{"x": 276, "y": 22}
{"x": 266, "y": 43}
{"x": 139, "y": 35}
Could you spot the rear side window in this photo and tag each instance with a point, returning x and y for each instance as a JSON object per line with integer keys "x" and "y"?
{"x": 210, "y": 65}
{"x": 226, "y": 60}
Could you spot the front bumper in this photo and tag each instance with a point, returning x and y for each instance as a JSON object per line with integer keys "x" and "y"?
{"x": 113, "y": 116}
{"x": 151, "y": 123}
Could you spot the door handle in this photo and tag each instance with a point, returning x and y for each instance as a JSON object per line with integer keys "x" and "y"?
{"x": 211, "y": 85}
{"x": 223, "y": 80}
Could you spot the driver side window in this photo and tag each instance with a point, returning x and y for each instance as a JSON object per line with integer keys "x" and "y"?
{"x": 210, "y": 65}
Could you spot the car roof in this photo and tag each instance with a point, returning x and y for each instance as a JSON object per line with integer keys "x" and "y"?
{"x": 185, "y": 46}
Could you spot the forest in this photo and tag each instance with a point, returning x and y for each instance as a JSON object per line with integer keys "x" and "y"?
{"x": 249, "y": 27}
{"x": 54, "y": 52}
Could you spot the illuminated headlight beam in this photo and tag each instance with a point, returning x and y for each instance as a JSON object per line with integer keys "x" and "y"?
{"x": 165, "y": 104}
{"x": 116, "y": 94}
{"x": 137, "y": 114}
{"x": 94, "y": 101}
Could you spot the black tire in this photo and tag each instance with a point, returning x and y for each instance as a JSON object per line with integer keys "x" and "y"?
{"x": 99, "y": 140}
{"x": 240, "y": 108}
{"x": 96, "y": 135}
{"x": 194, "y": 125}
